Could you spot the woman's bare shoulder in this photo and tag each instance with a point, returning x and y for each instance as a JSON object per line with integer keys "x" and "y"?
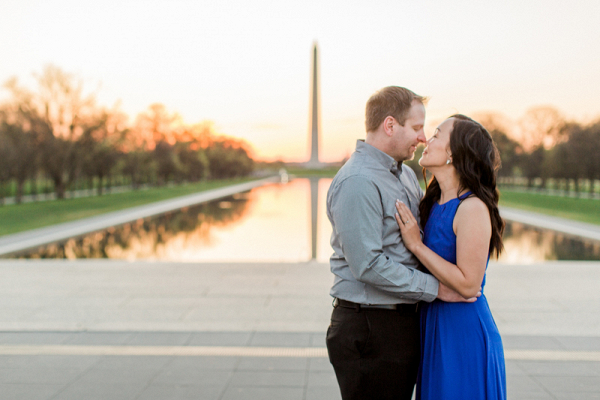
{"x": 472, "y": 210}
{"x": 473, "y": 204}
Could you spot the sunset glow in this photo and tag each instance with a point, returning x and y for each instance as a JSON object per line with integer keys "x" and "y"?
{"x": 245, "y": 66}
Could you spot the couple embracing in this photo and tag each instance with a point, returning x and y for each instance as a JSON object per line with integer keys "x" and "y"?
{"x": 409, "y": 267}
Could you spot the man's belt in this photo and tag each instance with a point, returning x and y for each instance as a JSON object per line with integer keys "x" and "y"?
{"x": 403, "y": 308}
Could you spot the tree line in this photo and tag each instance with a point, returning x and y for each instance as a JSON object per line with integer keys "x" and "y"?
{"x": 59, "y": 134}
{"x": 544, "y": 150}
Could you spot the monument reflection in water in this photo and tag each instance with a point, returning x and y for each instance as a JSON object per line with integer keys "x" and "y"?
{"x": 272, "y": 223}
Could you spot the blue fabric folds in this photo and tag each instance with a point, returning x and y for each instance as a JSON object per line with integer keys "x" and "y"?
{"x": 461, "y": 350}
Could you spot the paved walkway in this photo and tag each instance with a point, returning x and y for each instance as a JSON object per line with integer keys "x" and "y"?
{"x": 146, "y": 330}
{"x": 568, "y": 226}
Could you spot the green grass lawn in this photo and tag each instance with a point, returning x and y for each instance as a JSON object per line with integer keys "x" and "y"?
{"x": 585, "y": 210}
{"x": 17, "y": 218}
{"x": 321, "y": 173}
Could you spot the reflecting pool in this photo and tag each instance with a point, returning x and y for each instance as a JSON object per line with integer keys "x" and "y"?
{"x": 271, "y": 223}
{"x": 525, "y": 244}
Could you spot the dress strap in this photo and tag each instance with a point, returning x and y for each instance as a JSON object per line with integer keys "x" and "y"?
{"x": 461, "y": 198}
{"x": 465, "y": 195}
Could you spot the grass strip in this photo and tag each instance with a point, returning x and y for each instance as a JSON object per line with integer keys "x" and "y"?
{"x": 17, "y": 218}
{"x": 579, "y": 209}
{"x": 328, "y": 172}
{"x": 22, "y": 217}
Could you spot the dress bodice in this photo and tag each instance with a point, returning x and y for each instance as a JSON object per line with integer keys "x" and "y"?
{"x": 439, "y": 234}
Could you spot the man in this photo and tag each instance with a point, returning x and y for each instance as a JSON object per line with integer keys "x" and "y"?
{"x": 373, "y": 338}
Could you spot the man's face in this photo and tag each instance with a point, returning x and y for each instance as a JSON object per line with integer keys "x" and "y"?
{"x": 406, "y": 138}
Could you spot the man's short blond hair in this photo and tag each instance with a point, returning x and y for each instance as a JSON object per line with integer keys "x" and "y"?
{"x": 394, "y": 101}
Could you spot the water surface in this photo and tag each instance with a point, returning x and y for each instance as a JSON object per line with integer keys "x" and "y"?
{"x": 272, "y": 223}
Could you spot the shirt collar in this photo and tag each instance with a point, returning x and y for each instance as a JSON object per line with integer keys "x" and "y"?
{"x": 380, "y": 157}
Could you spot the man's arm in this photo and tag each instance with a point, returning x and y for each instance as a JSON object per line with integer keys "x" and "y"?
{"x": 358, "y": 215}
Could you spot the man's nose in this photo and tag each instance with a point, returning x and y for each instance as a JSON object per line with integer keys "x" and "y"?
{"x": 421, "y": 137}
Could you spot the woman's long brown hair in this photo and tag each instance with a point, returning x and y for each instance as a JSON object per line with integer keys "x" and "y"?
{"x": 476, "y": 159}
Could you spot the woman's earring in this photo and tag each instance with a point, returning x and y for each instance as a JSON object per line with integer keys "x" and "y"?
{"x": 449, "y": 160}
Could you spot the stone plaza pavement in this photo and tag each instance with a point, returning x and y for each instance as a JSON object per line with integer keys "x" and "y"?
{"x": 102, "y": 329}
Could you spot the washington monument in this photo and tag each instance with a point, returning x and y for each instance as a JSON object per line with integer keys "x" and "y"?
{"x": 314, "y": 152}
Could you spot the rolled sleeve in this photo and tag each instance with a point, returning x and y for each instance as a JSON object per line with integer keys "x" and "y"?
{"x": 430, "y": 291}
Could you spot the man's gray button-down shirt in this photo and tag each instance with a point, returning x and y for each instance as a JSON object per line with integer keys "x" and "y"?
{"x": 370, "y": 263}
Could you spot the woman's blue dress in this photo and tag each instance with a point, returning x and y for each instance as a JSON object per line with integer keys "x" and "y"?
{"x": 461, "y": 350}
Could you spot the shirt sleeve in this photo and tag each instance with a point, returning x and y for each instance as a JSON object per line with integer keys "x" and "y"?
{"x": 358, "y": 214}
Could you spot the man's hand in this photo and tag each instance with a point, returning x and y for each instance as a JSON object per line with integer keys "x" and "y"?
{"x": 448, "y": 295}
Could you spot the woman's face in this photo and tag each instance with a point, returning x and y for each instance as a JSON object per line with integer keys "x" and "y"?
{"x": 437, "y": 152}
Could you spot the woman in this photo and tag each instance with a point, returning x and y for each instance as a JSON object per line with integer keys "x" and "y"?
{"x": 461, "y": 350}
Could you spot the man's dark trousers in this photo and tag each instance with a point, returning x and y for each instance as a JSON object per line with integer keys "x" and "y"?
{"x": 375, "y": 352}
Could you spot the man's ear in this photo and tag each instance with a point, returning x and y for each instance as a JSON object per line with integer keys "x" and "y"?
{"x": 388, "y": 125}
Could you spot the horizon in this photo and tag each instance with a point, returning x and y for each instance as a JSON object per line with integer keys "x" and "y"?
{"x": 249, "y": 72}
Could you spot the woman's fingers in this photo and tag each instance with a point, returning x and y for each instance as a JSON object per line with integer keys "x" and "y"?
{"x": 405, "y": 214}
{"x": 399, "y": 221}
{"x": 399, "y": 205}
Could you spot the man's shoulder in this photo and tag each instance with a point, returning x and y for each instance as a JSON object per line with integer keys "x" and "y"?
{"x": 356, "y": 170}
{"x": 354, "y": 185}
{"x": 360, "y": 164}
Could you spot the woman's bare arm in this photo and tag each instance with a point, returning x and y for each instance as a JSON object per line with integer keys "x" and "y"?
{"x": 473, "y": 230}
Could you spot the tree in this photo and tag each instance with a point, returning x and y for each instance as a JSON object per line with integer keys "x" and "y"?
{"x": 165, "y": 158}
{"x": 532, "y": 164}
{"x": 56, "y": 111}
{"x": 60, "y": 131}
{"x": 541, "y": 126}
{"x": 558, "y": 165}
{"x": 191, "y": 164}
{"x": 99, "y": 142}
{"x": 227, "y": 158}
{"x": 502, "y": 132}
{"x": 510, "y": 152}
{"x": 139, "y": 166}
{"x": 155, "y": 125}
{"x": 541, "y": 129}
{"x": 582, "y": 149}
{"x": 7, "y": 155}
{"x": 19, "y": 129}
{"x": 592, "y": 164}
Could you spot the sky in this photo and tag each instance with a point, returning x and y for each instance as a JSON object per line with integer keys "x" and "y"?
{"x": 246, "y": 65}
